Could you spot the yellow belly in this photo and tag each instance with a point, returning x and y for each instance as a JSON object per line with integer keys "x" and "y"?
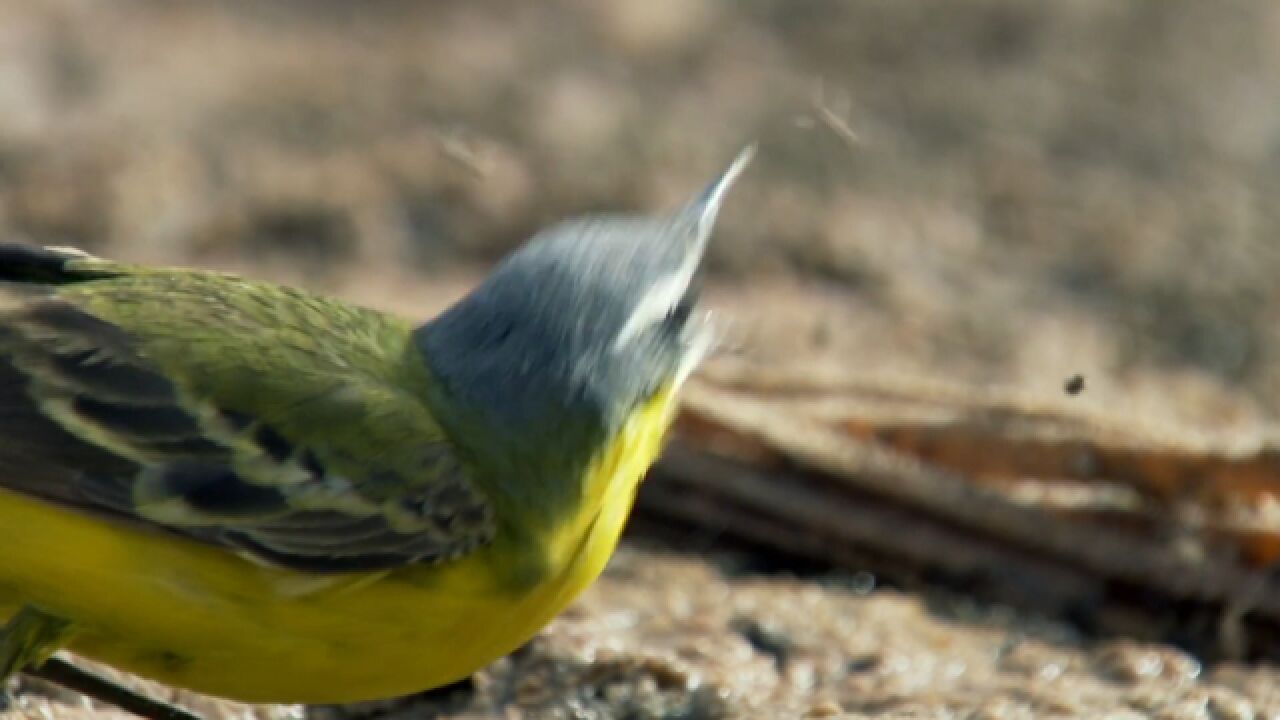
{"x": 194, "y": 616}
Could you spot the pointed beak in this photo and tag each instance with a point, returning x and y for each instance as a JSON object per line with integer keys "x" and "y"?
{"x": 707, "y": 205}
{"x": 698, "y": 334}
{"x": 682, "y": 244}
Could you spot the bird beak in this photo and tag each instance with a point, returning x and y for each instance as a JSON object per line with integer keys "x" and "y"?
{"x": 667, "y": 291}
{"x": 700, "y": 334}
{"x": 707, "y": 205}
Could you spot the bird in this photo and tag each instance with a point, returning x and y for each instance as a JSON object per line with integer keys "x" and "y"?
{"x": 256, "y": 492}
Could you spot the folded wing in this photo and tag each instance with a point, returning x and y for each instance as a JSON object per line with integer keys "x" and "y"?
{"x": 284, "y": 425}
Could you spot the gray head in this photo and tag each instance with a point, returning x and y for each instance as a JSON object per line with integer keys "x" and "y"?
{"x": 580, "y": 325}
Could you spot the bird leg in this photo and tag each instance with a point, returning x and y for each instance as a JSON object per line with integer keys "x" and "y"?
{"x": 29, "y": 638}
{"x": 61, "y": 672}
{"x": 32, "y": 636}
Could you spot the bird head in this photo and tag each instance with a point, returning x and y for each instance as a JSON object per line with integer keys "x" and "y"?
{"x": 582, "y": 324}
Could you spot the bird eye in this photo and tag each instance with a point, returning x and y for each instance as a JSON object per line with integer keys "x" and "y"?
{"x": 679, "y": 313}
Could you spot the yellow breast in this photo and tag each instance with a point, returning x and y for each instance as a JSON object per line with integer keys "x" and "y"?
{"x": 194, "y": 616}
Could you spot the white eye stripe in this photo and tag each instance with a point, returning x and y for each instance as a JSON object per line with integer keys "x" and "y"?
{"x": 656, "y": 304}
{"x": 659, "y": 301}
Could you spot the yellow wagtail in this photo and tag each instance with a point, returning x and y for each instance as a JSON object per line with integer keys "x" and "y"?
{"x": 255, "y": 492}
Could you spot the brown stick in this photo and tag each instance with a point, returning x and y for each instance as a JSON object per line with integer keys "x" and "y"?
{"x": 942, "y": 479}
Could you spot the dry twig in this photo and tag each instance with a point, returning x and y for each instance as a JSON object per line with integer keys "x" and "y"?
{"x": 1041, "y": 502}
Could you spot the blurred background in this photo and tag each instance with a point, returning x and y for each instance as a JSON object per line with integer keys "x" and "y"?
{"x": 991, "y": 193}
{"x": 1000, "y": 191}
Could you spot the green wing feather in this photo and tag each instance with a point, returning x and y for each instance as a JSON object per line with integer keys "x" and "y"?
{"x": 292, "y": 426}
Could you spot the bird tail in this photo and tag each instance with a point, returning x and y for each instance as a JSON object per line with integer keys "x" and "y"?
{"x": 33, "y": 264}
